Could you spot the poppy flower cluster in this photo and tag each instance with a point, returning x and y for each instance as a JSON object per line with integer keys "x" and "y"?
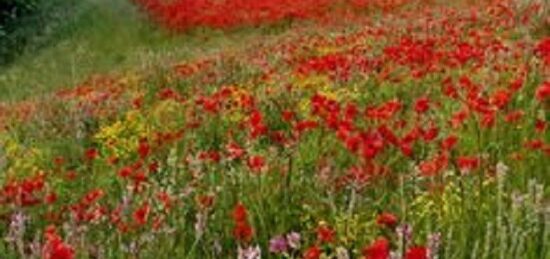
{"x": 187, "y": 14}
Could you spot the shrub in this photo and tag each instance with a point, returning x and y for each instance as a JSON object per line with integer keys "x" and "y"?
{"x": 23, "y": 22}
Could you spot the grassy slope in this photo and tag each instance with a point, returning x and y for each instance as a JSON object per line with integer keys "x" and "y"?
{"x": 96, "y": 46}
{"x": 107, "y": 37}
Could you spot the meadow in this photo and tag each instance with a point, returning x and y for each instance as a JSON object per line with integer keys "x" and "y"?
{"x": 378, "y": 129}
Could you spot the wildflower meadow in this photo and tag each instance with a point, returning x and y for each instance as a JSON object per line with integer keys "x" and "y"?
{"x": 375, "y": 129}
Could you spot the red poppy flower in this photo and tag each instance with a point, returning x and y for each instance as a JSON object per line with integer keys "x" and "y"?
{"x": 406, "y": 149}
{"x": 141, "y": 215}
{"x": 92, "y": 196}
{"x": 543, "y": 92}
{"x": 540, "y": 125}
{"x": 313, "y": 252}
{"x": 514, "y": 116}
{"x": 488, "y": 119}
{"x": 501, "y": 98}
{"x": 113, "y": 160}
{"x": 256, "y": 163}
{"x": 467, "y": 163}
{"x": 325, "y": 234}
{"x": 430, "y": 134}
{"x": 422, "y": 105}
{"x": 256, "y": 118}
{"x": 543, "y": 50}
{"x": 388, "y": 134}
{"x": 417, "y": 252}
{"x": 143, "y": 148}
{"x": 243, "y": 231}
{"x": 305, "y": 125}
{"x": 59, "y": 161}
{"x": 70, "y": 175}
{"x": 125, "y": 171}
{"x": 240, "y": 213}
{"x": 50, "y": 198}
{"x": 386, "y": 219}
{"x": 153, "y": 167}
{"x": 234, "y": 151}
{"x": 449, "y": 89}
{"x": 60, "y": 250}
{"x": 137, "y": 102}
{"x": 91, "y": 154}
{"x": 534, "y": 144}
{"x": 449, "y": 142}
{"x": 379, "y": 249}
{"x": 167, "y": 93}
{"x": 287, "y": 115}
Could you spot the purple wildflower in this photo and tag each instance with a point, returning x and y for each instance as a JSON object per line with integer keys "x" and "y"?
{"x": 278, "y": 245}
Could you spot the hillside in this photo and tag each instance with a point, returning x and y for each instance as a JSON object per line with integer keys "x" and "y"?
{"x": 363, "y": 129}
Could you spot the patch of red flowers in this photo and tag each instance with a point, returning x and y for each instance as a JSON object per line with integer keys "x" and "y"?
{"x": 242, "y": 231}
{"x": 55, "y": 247}
{"x": 25, "y": 193}
{"x": 187, "y": 14}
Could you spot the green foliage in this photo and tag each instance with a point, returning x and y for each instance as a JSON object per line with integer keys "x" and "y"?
{"x": 30, "y": 25}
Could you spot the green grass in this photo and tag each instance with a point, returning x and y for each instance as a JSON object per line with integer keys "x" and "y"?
{"x": 105, "y": 37}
